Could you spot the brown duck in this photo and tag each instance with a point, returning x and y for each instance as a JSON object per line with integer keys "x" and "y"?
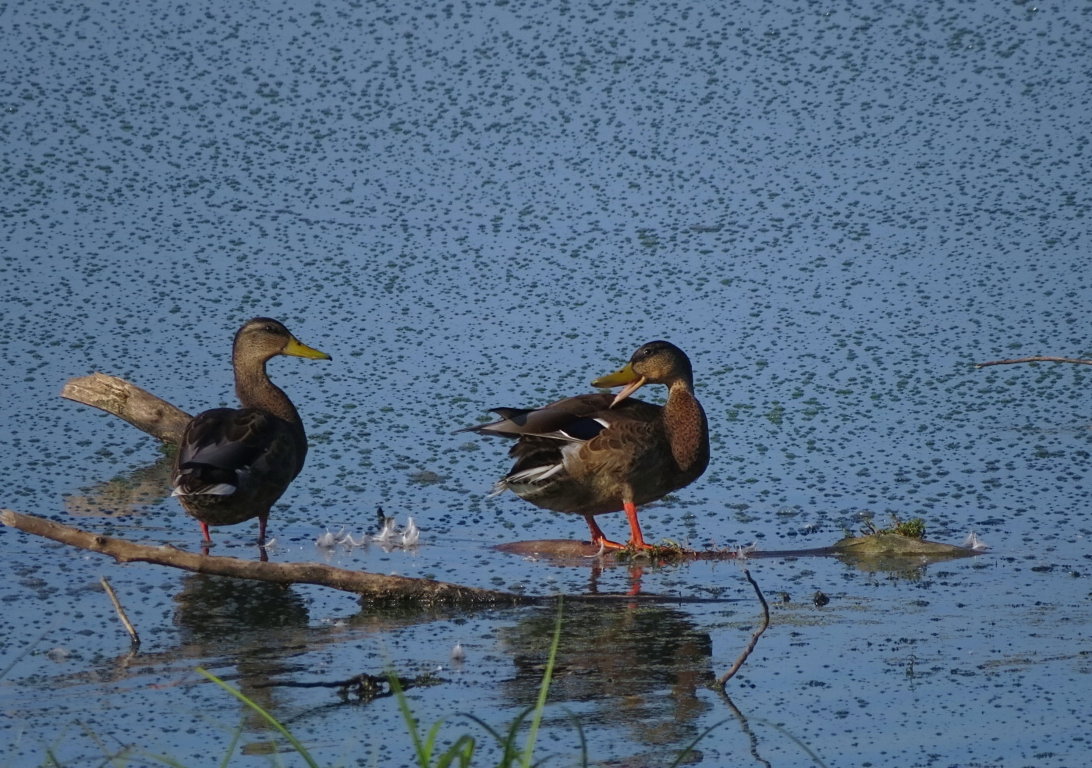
{"x": 234, "y": 463}
{"x": 592, "y": 454}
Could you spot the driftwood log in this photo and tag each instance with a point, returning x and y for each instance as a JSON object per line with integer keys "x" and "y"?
{"x": 118, "y": 397}
{"x": 373, "y": 586}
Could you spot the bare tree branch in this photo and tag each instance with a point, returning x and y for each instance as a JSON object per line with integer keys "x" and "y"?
{"x": 143, "y": 410}
{"x": 722, "y": 681}
{"x": 372, "y": 586}
{"x": 1037, "y": 359}
{"x": 133, "y": 636}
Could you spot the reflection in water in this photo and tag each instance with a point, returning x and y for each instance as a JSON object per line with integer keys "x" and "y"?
{"x": 745, "y": 726}
{"x": 638, "y": 666}
{"x": 123, "y": 495}
{"x": 217, "y": 609}
{"x": 233, "y": 618}
{"x": 891, "y": 567}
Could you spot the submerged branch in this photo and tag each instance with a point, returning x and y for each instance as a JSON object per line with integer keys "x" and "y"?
{"x": 143, "y": 410}
{"x": 722, "y": 681}
{"x": 122, "y": 615}
{"x": 371, "y": 586}
{"x": 1036, "y": 359}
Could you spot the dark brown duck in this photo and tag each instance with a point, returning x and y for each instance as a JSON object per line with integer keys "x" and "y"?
{"x": 593, "y": 454}
{"x": 234, "y": 463}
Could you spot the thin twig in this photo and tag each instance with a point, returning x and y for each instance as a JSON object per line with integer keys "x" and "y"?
{"x": 722, "y": 681}
{"x": 133, "y": 636}
{"x": 1036, "y": 359}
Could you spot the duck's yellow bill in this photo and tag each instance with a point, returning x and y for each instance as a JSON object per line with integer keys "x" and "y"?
{"x": 624, "y": 377}
{"x": 297, "y": 348}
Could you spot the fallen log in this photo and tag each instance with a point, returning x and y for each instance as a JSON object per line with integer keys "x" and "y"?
{"x": 118, "y": 397}
{"x": 371, "y": 586}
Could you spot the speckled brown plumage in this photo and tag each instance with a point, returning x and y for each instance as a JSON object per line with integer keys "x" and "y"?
{"x": 597, "y": 453}
{"x": 234, "y": 463}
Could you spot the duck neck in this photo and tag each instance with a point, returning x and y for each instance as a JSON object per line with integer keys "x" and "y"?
{"x": 255, "y": 390}
{"x": 685, "y": 425}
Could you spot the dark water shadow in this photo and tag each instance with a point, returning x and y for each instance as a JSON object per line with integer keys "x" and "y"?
{"x": 633, "y": 668}
{"x": 258, "y": 637}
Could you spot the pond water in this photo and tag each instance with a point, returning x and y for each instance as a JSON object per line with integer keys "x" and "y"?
{"x": 835, "y": 210}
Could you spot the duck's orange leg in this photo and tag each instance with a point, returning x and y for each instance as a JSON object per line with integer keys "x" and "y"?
{"x": 205, "y": 532}
{"x": 636, "y": 540}
{"x": 598, "y": 538}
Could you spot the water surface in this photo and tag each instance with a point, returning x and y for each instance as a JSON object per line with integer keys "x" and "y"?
{"x": 835, "y": 211}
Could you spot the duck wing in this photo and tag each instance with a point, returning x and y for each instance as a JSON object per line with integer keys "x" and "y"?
{"x": 222, "y": 443}
{"x": 571, "y": 419}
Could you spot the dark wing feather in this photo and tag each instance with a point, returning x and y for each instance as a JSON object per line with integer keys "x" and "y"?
{"x": 572, "y": 418}
{"x": 220, "y": 442}
{"x": 542, "y": 432}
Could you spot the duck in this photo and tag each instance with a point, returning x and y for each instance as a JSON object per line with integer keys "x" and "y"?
{"x": 232, "y": 464}
{"x": 598, "y": 453}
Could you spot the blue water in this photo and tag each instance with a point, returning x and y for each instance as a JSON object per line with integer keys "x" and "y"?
{"x": 835, "y": 210}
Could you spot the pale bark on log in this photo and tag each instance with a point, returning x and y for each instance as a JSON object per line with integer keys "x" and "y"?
{"x": 372, "y": 586}
{"x": 118, "y": 397}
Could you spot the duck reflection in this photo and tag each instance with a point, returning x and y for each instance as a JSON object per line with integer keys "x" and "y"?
{"x": 639, "y": 665}
{"x": 232, "y": 620}
{"x": 127, "y": 494}
{"x": 213, "y": 609}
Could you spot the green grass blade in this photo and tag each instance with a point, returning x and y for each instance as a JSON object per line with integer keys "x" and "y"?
{"x": 423, "y": 756}
{"x": 506, "y": 741}
{"x": 543, "y": 691}
{"x": 296, "y": 744}
{"x": 583, "y": 739}
{"x": 491, "y": 730}
{"x": 511, "y": 752}
{"x": 463, "y": 749}
{"x": 430, "y": 739}
{"x": 231, "y": 747}
{"x": 690, "y": 747}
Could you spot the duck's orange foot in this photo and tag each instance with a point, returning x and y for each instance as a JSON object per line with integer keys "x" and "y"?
{"x": 606, "y": 545}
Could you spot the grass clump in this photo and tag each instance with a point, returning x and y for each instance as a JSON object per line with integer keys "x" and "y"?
{"x": 667, "y": 552}
{"x": 914, "y": 528}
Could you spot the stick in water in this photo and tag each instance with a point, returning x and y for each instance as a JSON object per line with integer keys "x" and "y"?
{"x": 722, "y": 681}
{"x": 133, "y": 636}
{"x": 1036, "y": 359}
